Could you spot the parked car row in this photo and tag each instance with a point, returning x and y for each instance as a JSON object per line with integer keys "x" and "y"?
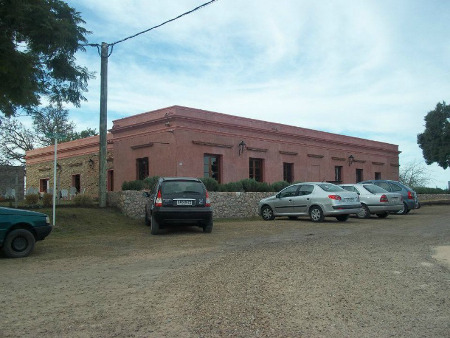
{"x": 410, "y": 200}
{"x": 319, "y": 200}
{"x": 185, "y": 200}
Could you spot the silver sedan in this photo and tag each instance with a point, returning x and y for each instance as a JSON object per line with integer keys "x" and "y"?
{"x": 313, "y": 199}
{"x": 375, "y": 200}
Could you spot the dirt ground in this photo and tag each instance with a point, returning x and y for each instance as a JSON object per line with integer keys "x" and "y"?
{"x": 282, "y": 278}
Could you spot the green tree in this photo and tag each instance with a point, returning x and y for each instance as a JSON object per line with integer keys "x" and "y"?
{"x": 16, "y": 139}
{"x": 82, "y": 134}
{"x": 414, "y": 174}
{"x": 38, "y": 41}
{"x": 435, "y": 140}
{"x": 51, "y": 121}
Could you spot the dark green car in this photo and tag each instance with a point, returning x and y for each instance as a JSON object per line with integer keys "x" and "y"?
{"x": 20, "y": 229}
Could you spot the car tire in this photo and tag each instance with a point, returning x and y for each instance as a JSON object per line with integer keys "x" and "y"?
{"x": 342, "y": 218}
{"x": 404, "y": 210}
{"x": 19, "y": 243}
{"x": 383, "y": 215}
{"x": 154, "y": 226}
{"x": 208, "y": 227}
{"x": 147, "y": 220}
{"x": 267, "y": 213}
{"x": 364, "y": 213}
{"x": 316, "y": 214}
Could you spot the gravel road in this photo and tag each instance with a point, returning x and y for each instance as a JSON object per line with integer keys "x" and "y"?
{"x": 284, "y": 278}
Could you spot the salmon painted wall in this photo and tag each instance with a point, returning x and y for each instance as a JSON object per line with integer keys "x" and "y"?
{"x": 175, "y": 140}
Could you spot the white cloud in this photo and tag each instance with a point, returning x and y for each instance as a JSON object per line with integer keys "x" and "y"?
{"x": 369, "y": 69}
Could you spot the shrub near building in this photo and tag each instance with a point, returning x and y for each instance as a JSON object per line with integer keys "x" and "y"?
{"x": 245, "y": 185}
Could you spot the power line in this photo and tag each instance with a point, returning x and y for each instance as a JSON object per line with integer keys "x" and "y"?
{"x": 154, "y": 27}
{"x": 105, "y": 53}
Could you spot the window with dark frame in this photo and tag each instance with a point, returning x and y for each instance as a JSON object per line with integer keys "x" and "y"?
{"x": 288, "y": 172}
{"x": 359, "y": 175}
{"x": 142, "y": 168}
{"x": 111, "y": 180}
{"x": 256, "y": 169}
{"x": 338, "y": 174}
{"x": 76, "y": 182}
{"x": 43, "y": 185}
{"x": 211, "y": 166}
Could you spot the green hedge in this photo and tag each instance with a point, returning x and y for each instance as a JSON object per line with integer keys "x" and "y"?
{"x": 425, "y": 190}
{"x": 245, "y": 185}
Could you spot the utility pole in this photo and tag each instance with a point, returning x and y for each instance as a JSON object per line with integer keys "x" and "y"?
{"x": 104, "y": 54}
{"x": 103, "y": 130}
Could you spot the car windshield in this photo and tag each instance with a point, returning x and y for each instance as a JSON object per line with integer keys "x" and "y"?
{"x": 374, "y": 189}
{"x": 179, "y": 187}
{"x": 330, "y": 187}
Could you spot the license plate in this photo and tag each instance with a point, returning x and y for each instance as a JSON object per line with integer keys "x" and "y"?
{"x": 348, "y": 199}
{"x": 184, "y": 202}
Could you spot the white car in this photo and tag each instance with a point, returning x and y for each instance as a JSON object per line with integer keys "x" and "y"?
{"x": 314, "y": 199}
{"x": 375, "y": 200}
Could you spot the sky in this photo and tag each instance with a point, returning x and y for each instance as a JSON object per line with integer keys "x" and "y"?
{"x": 369, "y": 69}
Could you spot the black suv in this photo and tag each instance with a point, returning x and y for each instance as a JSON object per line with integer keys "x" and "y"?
{"x": 179, "y": 200}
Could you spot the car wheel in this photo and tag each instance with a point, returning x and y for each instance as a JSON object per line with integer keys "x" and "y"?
{"x": 154, "y": 226}
{"x": 147, "y": 220}
{"x": 364, "y": 213}
{"x": 208, "y": 227}
{"x": 267, "y": 213}
{"x": 383, "y": 215}
{"x": 342, "y": 218}
{"x": 404, "y": 210}
{"x": 19, "y": 243}
{"x": 316, "y": 214}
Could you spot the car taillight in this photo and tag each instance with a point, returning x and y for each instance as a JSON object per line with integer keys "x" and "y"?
{"x": 410, "y": 195}
{"x": 335, "y": 197}
{"x": 208, "y": 201}
{"x": 158, "y": 201}
{"x": 384, "y": 198}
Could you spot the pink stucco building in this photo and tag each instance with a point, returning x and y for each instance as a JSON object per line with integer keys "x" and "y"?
{"x": 181, "y": 141}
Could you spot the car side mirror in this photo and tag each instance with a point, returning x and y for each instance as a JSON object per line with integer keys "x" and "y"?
{"x": 278, "y": 195}
{"x": 146, "y": 194}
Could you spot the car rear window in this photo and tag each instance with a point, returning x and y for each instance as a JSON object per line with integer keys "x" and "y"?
{"x": 330, "y": 187}
{"x": 180, "y": 187}
{"x": 374, "y": 189}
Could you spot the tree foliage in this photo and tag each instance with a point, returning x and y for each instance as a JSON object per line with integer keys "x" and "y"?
{"x": 52, "y": 121}
{"x": 414, "y": 174}
{"x": 16, "y": 139}
{"x": 435, "y": 140}
{"x": 38, "y": 41}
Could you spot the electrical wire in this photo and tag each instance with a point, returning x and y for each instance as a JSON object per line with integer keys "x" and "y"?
{"x": 165, "y": 22}
{"x": 152, "y": 28}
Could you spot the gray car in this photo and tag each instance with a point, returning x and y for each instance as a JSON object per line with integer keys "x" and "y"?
{"x": 314, "y": 199}
{"x": 375, "y": 200}
{"x": 410, "y": 200}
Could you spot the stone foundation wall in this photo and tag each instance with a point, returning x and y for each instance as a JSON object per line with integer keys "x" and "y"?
{"x": 225, "y": 204}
